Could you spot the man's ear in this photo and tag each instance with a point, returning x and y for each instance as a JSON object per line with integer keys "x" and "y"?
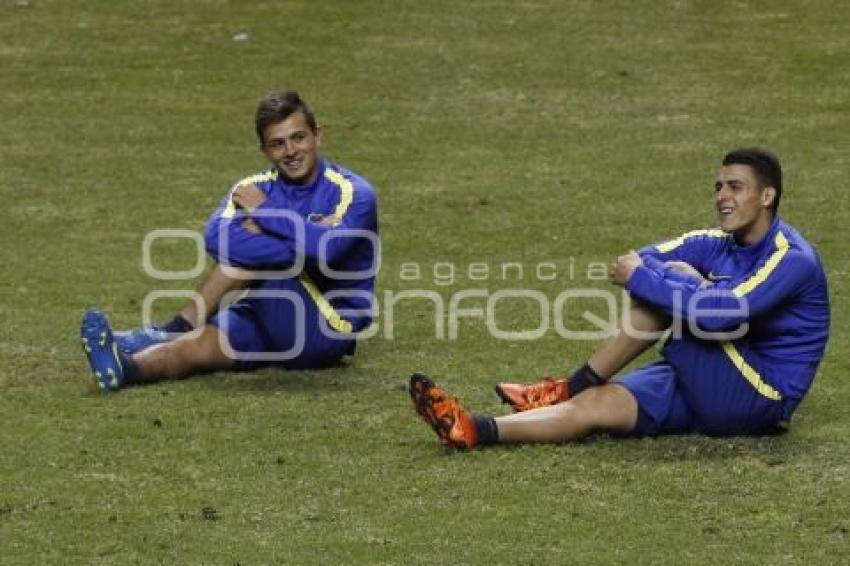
{"x": 767, "y": 195}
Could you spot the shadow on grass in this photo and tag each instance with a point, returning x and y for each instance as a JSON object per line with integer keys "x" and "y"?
{"x": 275, "y": 379}
{"x": 771, "y": 451}
{"x": 604, "y": 452}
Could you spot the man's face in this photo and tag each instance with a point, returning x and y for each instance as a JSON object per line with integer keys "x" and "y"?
{"x": 743, "y": 206}
{"x": 294, "y": 148}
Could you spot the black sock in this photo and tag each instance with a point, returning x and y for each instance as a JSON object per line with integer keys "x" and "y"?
{"x": 582, "y": 378}
{"x": 130, "y": 368}
{"x": 178, "y": 324}
{"x": 486, "y": 430}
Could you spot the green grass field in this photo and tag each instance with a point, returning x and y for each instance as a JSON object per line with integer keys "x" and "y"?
{"x": 494, "y": 132}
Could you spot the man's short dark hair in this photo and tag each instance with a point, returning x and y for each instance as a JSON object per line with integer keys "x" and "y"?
{"x": 765, "y": 164}
{"x": 277, "y": 106}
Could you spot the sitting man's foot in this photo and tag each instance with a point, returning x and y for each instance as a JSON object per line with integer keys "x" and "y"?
{"x": 138, "y": 339}
{"x": 102, "y": 351}
{"x": 522, "y": 397}
{"x": 444, "y": 413}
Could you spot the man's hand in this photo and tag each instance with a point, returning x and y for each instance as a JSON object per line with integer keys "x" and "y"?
{"x": 248, "y": 197}
{"x": 683, "y": 267}
{"x": 329, "y": 221}
{"x": 251, "y": 226}
{"x": 622, "y": 269}
{"x": 688, "y": 269}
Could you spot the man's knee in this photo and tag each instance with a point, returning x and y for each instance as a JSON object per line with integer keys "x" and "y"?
{"x": 610, "y": 407}
{"x": 643, "y": 322}
{"x": 206, "y": 349}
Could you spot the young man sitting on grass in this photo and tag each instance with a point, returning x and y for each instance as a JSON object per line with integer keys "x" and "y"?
{"x": 300, "y": 238}
{"x": 754, "y": 274}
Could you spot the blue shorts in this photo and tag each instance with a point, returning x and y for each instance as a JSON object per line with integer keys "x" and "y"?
{"x": 697, "y": 388}
{"x": 279, "y": 323}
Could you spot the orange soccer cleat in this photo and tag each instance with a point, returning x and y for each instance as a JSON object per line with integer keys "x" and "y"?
{"x": 522, "y": 397}
{"x": 444, "y": 413}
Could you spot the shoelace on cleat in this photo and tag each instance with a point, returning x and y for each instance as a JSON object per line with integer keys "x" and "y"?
{"x": 545, "y": 391}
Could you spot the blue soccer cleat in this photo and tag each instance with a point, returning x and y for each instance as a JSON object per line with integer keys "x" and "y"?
{"x": 138, "y": 339}
{"x": 102, "y": 350}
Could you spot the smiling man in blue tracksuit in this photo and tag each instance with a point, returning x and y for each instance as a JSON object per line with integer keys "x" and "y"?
{"x": 296, "y": 251}
{"x": 748, "y": 310}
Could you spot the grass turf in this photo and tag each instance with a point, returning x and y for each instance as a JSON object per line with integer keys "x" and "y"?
{"x": 495, "y": 132}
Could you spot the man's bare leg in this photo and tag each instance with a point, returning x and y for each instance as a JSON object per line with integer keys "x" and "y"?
{"x": 607, "y": 408}
{"x": 213, "y": 288}
{"x": 196, "y": 352}
{"x": 637, "y": 330}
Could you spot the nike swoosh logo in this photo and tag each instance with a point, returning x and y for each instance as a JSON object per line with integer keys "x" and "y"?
{"x": 714, "y": 277}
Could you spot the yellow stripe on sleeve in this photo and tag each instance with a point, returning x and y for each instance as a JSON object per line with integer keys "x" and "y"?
{"x": 230, "y": 209}
{"x": 673, "y": 244}
{"x": 337, "y": 322}
{"x": 764, "y": 272}
{"x": 346, "y": 193}
{"x": 749, "y": 373}
{"x": 263, "y": 176}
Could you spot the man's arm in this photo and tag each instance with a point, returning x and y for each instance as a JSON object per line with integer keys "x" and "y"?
{"x": 233, "y": 239}
{"x": 319, "y": 239}
{"x": 678, "y": 271}
{"x": 694, "y": 248}
{"x": 722, "y": 306}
